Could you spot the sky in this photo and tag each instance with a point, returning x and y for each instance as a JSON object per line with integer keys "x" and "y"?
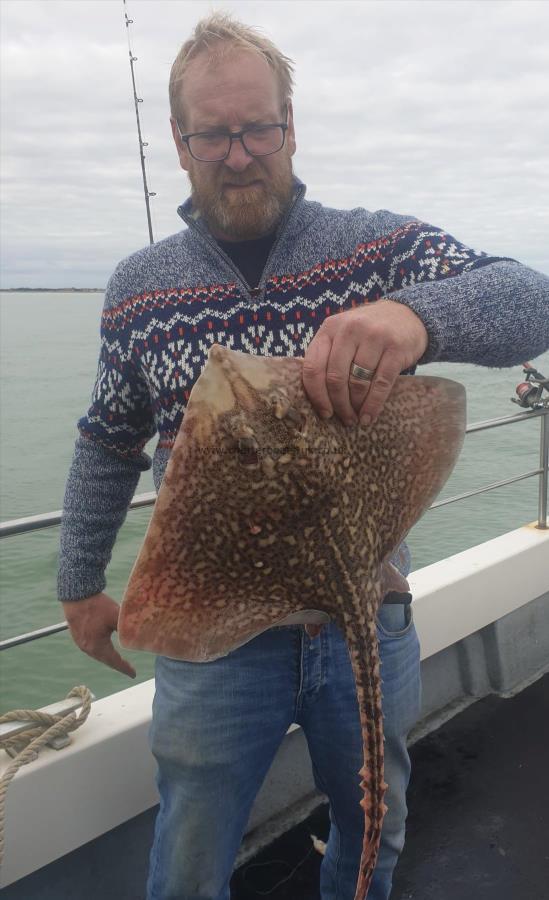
{"x": 434, "y": 108}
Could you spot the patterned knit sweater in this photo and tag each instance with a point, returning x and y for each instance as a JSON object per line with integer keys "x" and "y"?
{"x": 165, "y": 306}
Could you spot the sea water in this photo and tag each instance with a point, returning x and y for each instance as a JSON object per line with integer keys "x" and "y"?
{"x": 50, "y": 346}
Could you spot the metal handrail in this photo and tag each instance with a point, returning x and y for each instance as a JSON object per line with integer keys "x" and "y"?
{"x": 14, "y": 527}
{"x": 485, "y": 489}
{"x": 48, "y": 520}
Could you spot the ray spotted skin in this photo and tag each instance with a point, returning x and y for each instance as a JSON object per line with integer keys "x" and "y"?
{"x": 269, "y": 515}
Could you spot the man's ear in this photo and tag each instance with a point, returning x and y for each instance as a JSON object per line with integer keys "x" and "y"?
{"x": 290, "y": 134}
{"x": 180, "y": 146}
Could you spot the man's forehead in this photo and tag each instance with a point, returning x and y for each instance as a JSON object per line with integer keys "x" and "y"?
{"x": 240, "y": 83}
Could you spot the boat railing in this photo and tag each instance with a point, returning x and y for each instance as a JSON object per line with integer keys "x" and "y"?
{"x": 48, "y": 520}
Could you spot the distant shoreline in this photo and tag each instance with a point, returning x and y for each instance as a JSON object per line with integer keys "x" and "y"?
{"x": 61, "y": 290}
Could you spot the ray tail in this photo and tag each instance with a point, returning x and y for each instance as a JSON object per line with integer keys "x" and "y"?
{"x": 362, "y": 643}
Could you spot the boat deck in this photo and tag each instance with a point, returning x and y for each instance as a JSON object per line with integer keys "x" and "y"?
{"x": 478, "y": 825}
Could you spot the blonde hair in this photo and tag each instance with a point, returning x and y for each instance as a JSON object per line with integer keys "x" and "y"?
{"x": 219, "y": 34}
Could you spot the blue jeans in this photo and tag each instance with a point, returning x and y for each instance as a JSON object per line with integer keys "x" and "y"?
{"x": 216, "y": 728}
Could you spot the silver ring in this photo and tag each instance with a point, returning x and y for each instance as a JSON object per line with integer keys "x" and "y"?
{"x": 360, "y": 372}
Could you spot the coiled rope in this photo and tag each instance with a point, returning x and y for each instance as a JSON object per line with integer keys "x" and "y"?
{"x": 29, "y": 742}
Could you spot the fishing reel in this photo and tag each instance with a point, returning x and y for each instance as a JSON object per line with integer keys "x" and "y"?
{"x": 530, "y": 393}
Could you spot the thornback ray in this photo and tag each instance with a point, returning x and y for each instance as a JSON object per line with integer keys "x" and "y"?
{"x": 269, "y": 515}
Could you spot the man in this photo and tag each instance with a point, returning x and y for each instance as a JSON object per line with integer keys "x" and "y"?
{"x": 261, "y": 269}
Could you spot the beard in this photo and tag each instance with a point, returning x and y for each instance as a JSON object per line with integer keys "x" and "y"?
{"x": 245, "y": 213}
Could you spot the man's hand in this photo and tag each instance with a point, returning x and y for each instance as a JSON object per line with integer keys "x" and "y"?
{"x": 91, "y": 623}
{"x": 385, "y": 337}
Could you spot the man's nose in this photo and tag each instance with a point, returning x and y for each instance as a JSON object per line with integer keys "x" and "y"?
{"x": 238, "y": 159}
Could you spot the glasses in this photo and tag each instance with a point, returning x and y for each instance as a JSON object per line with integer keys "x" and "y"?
{"x": 257, "y": 140}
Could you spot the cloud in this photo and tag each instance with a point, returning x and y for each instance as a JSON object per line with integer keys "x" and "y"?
{"x": 434, "y": 109}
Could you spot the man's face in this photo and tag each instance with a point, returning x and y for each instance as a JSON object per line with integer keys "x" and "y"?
{"x": 241, "y": 197}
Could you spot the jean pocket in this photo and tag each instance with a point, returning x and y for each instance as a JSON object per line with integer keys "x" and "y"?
{"x": 394, "y": 620}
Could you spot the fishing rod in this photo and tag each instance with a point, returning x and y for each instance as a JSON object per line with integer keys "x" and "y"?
{"x": 137, "y": 100}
